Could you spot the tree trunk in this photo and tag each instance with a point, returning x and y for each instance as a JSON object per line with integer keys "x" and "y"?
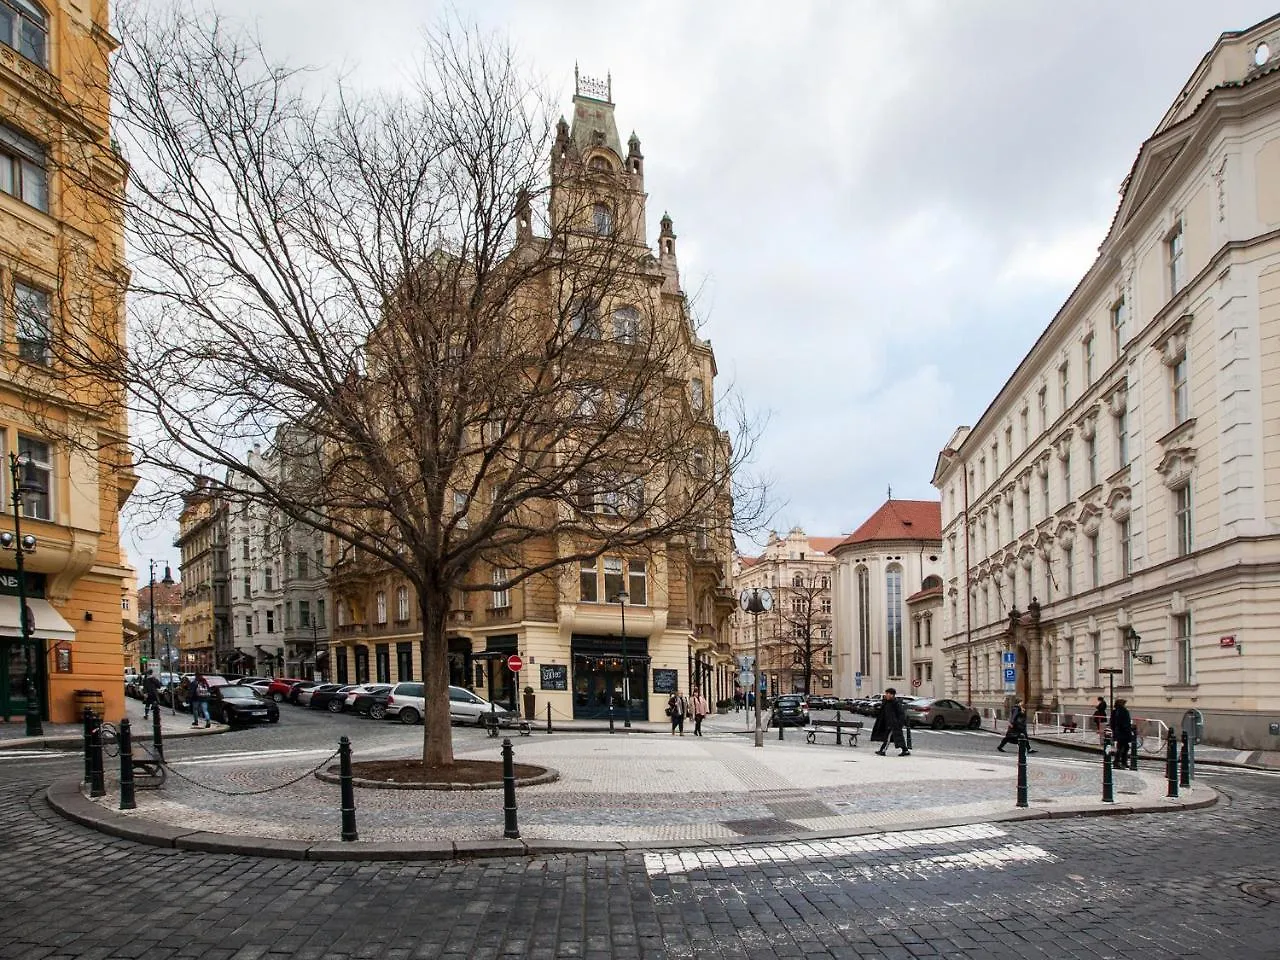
{"x": 437, "y": 733}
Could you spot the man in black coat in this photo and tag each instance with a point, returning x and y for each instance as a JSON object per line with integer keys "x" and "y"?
{"x": 1017, "y": 728}
{"x": 150, "y": 694}
{"x": 1122, "y": 731}
{"x": 889, "y": 724}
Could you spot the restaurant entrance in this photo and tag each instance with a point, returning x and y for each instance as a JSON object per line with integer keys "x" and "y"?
{"x": 602, "y": 678}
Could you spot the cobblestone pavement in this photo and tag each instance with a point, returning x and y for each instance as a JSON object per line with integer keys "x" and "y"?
{"x": 636, "y": 788}
{"x": 1194, "y": 884}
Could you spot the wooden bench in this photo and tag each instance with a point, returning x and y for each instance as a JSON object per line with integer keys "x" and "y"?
{"x": 846, "y": 728}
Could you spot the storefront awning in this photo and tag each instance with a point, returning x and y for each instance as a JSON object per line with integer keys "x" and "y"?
{"x": 49, "y": 624}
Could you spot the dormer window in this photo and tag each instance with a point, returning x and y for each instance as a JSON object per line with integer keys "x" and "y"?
{"x": 602, "y": 218}
{"x": 25, "y": 28}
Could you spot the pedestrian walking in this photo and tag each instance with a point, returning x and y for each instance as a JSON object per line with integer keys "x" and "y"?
{"x": 700, "y": 707}
{"x": 1017, "y": 729}
{"x": 198, "y": 694}
{"x": 1122, "y": 730}
{"x": 889, "y": 724}
{"x": 1100, "y": 716}
{"x": 150, "y": 695}
{"x": 677, "y": 710}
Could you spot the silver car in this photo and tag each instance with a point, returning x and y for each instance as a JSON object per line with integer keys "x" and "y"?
{"x": 939, "y": 712}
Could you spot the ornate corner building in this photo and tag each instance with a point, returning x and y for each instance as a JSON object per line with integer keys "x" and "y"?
{"x": 59, "y": 238}
{"x": 1117, "y": 506}
{"x": 583, "y": 652}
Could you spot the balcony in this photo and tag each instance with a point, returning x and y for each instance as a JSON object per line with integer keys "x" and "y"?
{"x": 350, "y": 630}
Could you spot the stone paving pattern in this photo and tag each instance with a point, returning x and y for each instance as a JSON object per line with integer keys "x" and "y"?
{"x": 641, "y": 788}
{"x": 1141, "y": 887}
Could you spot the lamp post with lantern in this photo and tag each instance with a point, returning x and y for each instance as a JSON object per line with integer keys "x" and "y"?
{"x": 167, "y": 580}
{"x": 21, "y": 546}
{"x": 756, "y": 601}
{"x": 621, "y": 599}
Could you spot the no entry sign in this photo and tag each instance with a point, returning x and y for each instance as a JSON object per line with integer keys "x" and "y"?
{"x": 514, "y": 663}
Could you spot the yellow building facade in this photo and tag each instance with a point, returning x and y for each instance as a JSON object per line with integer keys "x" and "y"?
{"x": 585, "y": 655}
{"x": 61, "y": 254}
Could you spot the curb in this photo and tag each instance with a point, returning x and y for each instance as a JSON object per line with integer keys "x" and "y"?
{"x": 1097, "y": 751}
{"x": 66, "y": 799}
{"x": 76, "y": 740}
{"x": 548, "y": 775}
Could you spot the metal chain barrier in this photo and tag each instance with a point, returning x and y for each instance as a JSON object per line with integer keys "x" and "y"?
{"x": 251, "y": 793}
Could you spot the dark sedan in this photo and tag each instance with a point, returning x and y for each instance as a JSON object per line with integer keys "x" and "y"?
{"x": 789, "y": 710}
{"x": 238, "y": 706}
{"x": 372, "y": 704}
{"x": 330, "y": 696}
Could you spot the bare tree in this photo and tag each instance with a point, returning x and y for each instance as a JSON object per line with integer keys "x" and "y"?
{"x": 469, "y": 367}
{"x": 805, "y": 624}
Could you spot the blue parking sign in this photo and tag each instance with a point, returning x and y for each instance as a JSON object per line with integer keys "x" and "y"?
{"x": 1010, "y": 675}
{"x": 1007, "y": 656}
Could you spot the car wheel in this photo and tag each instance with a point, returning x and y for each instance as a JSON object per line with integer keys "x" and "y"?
{"x": 335, "y": 706}
{"x": 275, "y": 719}
{"x": 975, "y": 723}
{"x": 408, "y": 715}
{"x": 378, "y": 711}
{"x": 938, "y": 723}
{"x": 278, "y": 697}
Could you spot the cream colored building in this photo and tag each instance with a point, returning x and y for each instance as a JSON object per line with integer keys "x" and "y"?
{"x": 797, "y": 571}
{"x": 887, "y": 578}
{"x": 1126, "y": 479}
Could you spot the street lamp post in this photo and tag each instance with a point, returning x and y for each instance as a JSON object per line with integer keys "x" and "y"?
{"x": 21, "y": 546}
{"x": 756, "y": 601}
{"x": 622, "y": 598}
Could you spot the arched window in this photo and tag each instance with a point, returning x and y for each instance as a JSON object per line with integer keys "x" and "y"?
{"x": 600, "y": 163}
{"x": 626, "y": 324}
{"x": 864, "y": 621}
{"x": 602, "y": 217}
{"x": 380, "y": 603}
{"x": 930, "y": 582}
{"x": 893, "y": 618}
{"x": 797, "y": 581}
{"x": 25, "y": 28}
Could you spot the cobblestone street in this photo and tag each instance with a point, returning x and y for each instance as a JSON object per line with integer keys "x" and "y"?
{"x": 1191, "y": 884}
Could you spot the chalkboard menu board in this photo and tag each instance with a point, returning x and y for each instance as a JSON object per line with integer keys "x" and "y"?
{"x": 664, "y": 681}
{"x": 554, "y": 676}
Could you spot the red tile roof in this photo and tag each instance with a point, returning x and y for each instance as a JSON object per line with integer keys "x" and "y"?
{"x": 825, "y": 544}
{"x": 927, "y": 593}
{"x": 900, "y": 520}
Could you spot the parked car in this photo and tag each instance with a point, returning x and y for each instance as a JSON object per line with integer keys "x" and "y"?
{"x": 358, "y": 690}
{"x": 372, "y": 704}
{"x": 789, "y": 710}
{"x": 304, "y": 693}
{"x": 406, "y": 702}
{"x": 467, "y": 707}
{"x": 330, "y": 696}
{"x": 259, "y": 684}
{"x": 296, "y": 690}
{"x": 237, "y": 705}
{"x": 278, "y": 688}
{"x": 250, "y": 681}
{"x": 939, "y": 712}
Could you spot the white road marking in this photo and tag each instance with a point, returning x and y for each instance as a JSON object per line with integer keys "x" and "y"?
{"x": 248, "y": 756}
{"x": 34, "y": 754}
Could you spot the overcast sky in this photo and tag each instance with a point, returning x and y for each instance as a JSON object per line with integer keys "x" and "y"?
{"x": 882, "y": 204}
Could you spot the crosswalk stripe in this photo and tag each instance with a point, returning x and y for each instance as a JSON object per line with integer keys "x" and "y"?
{"x": 32, "y": 754}
{"x": 248, "y": 756}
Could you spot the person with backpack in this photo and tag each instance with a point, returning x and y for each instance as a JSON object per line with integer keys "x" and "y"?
{"x": 198, "y": 694}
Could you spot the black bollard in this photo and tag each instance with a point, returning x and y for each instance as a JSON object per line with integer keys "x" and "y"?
{"x": 1184, "y": 779}
{"x": 87, "y": 719}
{"x": 1108, "y": 784}
{"x": 127, "y": 799}
{"x": 1133, "y": 749}
{"x": 157, "y": 739}
{"x": 97, "y": 779}
{"x": 837, "y": 728}
{"x": 348, "y": 790}
{"x": 611, "y": 715}
{"x": 1022, "y": 771}
{"x": 1171, "y": 766}
{"x": 548, "y": 718}
{"x": 511, "y": 829}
